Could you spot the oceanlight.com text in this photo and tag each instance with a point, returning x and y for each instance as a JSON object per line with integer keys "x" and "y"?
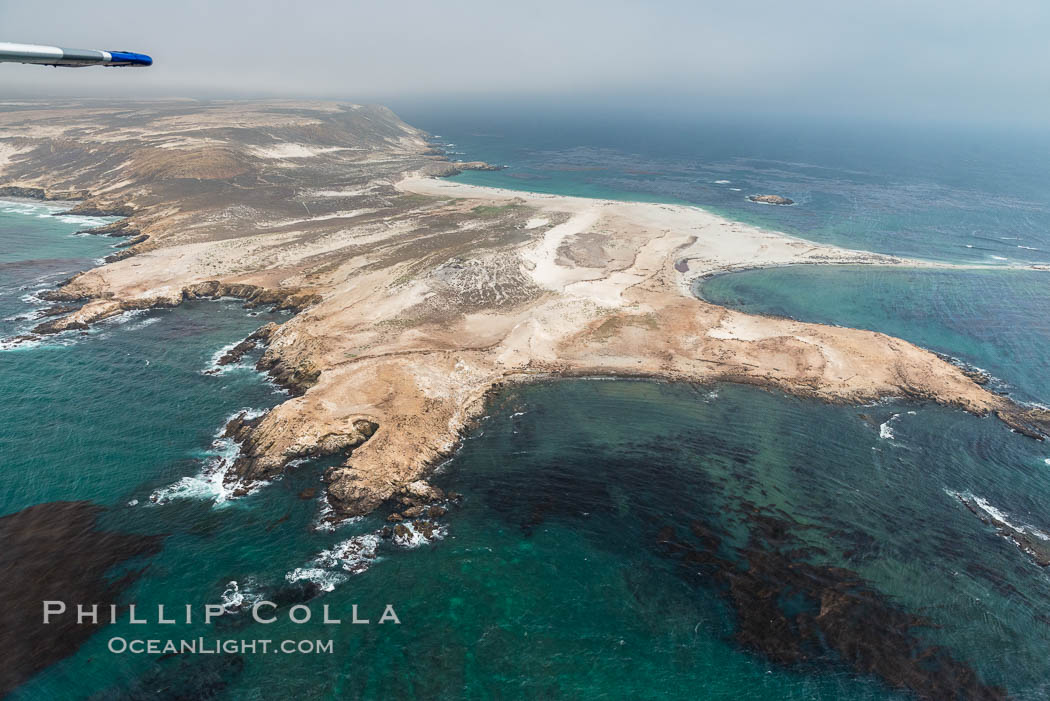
{"x": 218, "y": 646}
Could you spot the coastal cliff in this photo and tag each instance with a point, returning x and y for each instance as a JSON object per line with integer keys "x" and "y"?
{"x": 413, "y": 298}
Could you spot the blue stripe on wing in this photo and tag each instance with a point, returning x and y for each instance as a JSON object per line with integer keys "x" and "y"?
{"x": 129, "y": 58}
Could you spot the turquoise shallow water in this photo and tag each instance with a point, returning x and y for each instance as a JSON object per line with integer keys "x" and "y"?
{"x": 995, "y": 320}
{"x": 945, "y": 193}
{"x": 614, "y": 538}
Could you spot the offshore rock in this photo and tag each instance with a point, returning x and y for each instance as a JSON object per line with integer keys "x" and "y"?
{"x": 426, "y": 528}
{"x": 770, "y": 199}
{"x": 1037, "y": 548}
{"x": 415, "y": 297}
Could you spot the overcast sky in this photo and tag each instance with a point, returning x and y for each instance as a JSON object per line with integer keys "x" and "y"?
{"x": 899, "y": 58}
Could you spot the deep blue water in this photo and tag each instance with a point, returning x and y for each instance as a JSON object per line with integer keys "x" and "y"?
{"x": 954, "y": 194}
{"x": 614, "y": 538}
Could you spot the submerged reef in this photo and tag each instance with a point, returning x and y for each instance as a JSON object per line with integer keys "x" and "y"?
{"x": 794, "y": 611}
{"x": 411, "y": 297}
{"x": 58, "y": 552}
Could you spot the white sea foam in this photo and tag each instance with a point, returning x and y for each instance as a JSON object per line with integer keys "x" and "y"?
{"x": 326, "y": 580}
{"x": 722, "y": 182}
{"x": 992, "y": 511}
{"x": 999, "y": 258}
{"x": 997, "y": 515}
{"x": 885, "y": 432}
{"x": 327, "y": 520}
{"x": 102, "y": 329}
{"x": 209, "y": 483}
{"x": 413, "y": 538}
{"x": 29, "y": 208}
{"x": 81, "y": 220}
{"x": 354, "y": 555}
{"x": 213, "y": 365}
{"x": 14, "y": 344}
{"x": 47, "y": 210}
{"x": 149, "y": 321}
{"x": 235, "y": 597}
{"x": 40, "y": 285}
{"x": 1047, "y": 461}
{"x": 333, "y": 566}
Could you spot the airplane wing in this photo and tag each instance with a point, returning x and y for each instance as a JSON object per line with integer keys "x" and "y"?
{"x": 70, "y": 58}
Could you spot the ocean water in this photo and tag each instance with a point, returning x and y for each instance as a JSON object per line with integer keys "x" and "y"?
{"x": 995, "y": 320}
{"x": 945, "y": 193}
{"x": 614, "y": 539}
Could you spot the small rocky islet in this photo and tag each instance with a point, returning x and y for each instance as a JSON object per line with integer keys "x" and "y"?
{"x": 415, "y": 297}
{"x": 771, "y": 199}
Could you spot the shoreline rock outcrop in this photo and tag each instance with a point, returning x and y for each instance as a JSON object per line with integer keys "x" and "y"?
{"x": 446, "y": 169}
{"x": 413, "y": 298}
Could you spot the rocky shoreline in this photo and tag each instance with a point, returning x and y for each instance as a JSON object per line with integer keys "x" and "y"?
{"x": 414, "y": 298}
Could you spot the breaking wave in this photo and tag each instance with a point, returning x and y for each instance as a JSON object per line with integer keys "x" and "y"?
{"x": 209, "y": 483}
{"x": 235, "y": 598}
{"x": 885, "y": 431}
{"x": 331, "y": 567}
{"x": 996, "y": 515}
{"x": 413, "y": 537}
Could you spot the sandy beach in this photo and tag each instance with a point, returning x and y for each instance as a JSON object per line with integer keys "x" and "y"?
{"x": 415, "y": 297}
